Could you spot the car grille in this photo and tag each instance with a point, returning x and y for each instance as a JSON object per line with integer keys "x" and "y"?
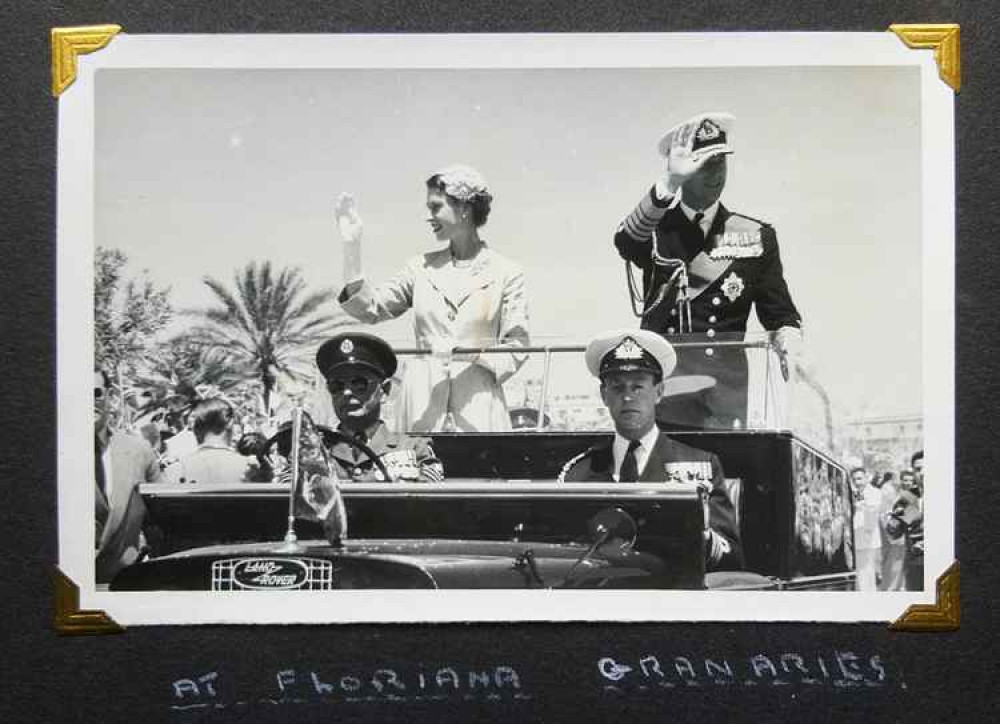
{"x": 272, "y": 574}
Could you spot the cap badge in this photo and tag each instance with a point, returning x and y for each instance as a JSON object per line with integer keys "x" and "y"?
{"x": 347, "y": 346}
{"x": 628, "y": 349}
{"x": 732, "y": 287}
{"x": 707, "y": 131}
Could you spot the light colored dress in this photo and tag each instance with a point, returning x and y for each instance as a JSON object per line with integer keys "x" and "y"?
{"x": 481, "y": 305}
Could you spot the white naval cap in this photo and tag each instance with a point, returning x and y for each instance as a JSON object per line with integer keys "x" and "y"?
{"x": 699, "y": 138}
{"x": 630, "y": 350}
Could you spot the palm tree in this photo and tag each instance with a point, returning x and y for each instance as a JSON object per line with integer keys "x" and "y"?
{"x": 266, "y": 324}
{"x": 177, "y": 371}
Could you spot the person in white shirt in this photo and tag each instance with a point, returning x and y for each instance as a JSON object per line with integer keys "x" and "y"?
{"x": 867, "y": 537}
{"x": 214, "y": 462}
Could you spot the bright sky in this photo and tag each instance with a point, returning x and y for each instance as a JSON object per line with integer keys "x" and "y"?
{"x": 200, "y": 171}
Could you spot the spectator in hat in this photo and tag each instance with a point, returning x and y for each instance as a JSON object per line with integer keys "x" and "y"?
{"x": 631, "y": 366}
{"x": 463, "y": 295}
{"x": 732, "y": 263}
{"x": 358, "y": 368}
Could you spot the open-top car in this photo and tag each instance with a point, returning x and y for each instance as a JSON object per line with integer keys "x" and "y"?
{"x": 501, "y": 518}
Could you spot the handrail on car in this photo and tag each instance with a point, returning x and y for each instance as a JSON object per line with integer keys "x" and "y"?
{"x": 549, "y": 349}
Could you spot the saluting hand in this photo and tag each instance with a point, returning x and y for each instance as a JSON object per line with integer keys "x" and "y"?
{"x": 349, "y": 222}
{"x": 681, "y": 164}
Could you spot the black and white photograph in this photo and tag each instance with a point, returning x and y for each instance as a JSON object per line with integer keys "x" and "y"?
{"x": 500, "y": 328}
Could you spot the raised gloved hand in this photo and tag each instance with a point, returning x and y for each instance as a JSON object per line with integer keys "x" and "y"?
{"x": 349, "y": 222}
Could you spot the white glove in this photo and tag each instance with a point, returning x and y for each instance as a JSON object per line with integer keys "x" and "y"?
{"x": 349, "y": 222}
{"x": 681, "y": 164}
{"x": 788, "y": 345}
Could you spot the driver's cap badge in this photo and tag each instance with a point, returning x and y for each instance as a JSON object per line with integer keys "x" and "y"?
{"x": 347, "y": 346}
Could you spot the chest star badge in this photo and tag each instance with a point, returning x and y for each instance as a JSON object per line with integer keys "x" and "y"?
{"x": 733, "y": 286}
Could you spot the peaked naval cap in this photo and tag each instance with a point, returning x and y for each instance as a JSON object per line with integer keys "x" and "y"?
{"x": 630, "y": 350}
{"x": 700, "y": 137}
{"x": 357, "y": 349}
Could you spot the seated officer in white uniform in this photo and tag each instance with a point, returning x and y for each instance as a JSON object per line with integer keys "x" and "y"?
{"x": 631, "y": 365}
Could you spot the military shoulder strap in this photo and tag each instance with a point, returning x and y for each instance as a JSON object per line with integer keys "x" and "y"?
{"x": 751, "y": 218}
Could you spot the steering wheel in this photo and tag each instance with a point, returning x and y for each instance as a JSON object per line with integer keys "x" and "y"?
{"x": 283, "y": 440}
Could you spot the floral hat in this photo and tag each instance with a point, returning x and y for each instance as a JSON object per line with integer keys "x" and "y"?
{"x": 463, "y": 182}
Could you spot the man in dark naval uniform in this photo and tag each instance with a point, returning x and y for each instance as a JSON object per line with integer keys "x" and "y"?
{"x": 358, "y": 368}
{"x": 689, "y": 246}
{"x": 631, "y": 366}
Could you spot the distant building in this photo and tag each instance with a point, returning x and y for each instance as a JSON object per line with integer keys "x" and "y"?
{"x": 885, "y": 443}
{"x": 578, "y": 412}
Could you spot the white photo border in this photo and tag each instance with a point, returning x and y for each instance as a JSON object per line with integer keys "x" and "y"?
{"x": 75, "y": 251}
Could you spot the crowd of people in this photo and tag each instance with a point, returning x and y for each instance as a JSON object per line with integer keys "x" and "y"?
{"x": 888, "y": 528}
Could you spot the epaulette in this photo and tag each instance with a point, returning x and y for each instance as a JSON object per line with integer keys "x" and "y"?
{"x": 750, "y": 218}
{"x": 573, "y": 461}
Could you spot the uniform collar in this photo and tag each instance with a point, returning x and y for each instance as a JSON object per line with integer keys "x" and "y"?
{"x": 375, "y": 437}
{"x": 709, "y": 214}
{"x": 647, "y": 441}
{"x": 646, "y": 444}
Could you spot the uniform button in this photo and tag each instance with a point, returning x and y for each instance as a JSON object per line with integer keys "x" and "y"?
{"x": 712, "y": 319}
{"x": 670, "y": 330}
{"x": 716, "y": 301}
{"x": 710, "y": 333}
{"x": 709, "y": 352}
{"x": 673, "y": 312}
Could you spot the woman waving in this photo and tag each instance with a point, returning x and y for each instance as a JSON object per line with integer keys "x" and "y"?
{"x": 463, "y": 295}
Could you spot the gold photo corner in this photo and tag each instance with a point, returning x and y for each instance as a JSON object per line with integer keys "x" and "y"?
{"x": 944, "y": 39}
{"x": 67, "y": 43}
{"x": 70, "y": 620}
{"x": 942, "y": 615}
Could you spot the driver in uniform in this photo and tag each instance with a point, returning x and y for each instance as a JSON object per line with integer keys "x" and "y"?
{"x": 631, "y": 365}
{"x": 358, "y": 368}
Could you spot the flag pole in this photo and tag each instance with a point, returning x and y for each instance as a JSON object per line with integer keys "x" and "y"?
{"x": 291, "y": 540}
